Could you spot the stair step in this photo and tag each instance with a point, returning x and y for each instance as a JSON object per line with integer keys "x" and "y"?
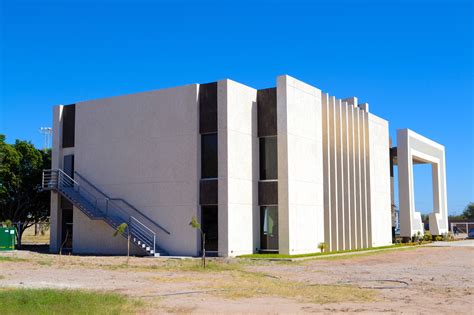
{"x": 140, "y": 237}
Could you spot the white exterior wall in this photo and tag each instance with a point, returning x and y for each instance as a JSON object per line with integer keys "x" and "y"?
{"x": 143, "y": 148}
{"x": 300, "y": 167}
{"x": 100, "y": 239}
{"x": 238, "y": 211}
{"x": 380, "y": 198}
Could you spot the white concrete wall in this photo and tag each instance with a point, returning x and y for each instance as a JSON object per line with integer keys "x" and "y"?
{"x": 300, "y": 166}
{"x": 99, "y": 240}
{"x": 238, "y": 169}
{"x": 143, "y": 148}
{"x": 380, "y": 198}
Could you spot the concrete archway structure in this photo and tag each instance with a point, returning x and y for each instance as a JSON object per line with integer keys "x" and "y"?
{"x": 413, "y": 148}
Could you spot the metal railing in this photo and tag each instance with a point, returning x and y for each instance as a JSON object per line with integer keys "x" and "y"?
{"x": 131, "y": 207}
{"x": 101, "y": 204}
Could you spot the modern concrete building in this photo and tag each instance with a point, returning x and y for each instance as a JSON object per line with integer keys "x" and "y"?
{"x": 280, "y": 169}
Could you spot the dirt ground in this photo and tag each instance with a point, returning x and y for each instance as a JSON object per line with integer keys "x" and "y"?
{"x": 430, "y": 280}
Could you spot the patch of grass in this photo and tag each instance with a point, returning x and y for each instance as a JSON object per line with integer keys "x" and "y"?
{"x": 11, "y": 259}
{"x": 320, "y": 254}
{"x": 190, "y": 265}
{"x": 211, "y": 266}
{"x": 49, "y": 301}
{"x": 251, "y": 284}
{"x": 45, "y": 262}
{"x": 369, "y": 253}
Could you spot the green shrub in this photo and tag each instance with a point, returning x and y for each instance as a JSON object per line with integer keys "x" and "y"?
{"x": 448, "y": 237}
{"x": 438, "y": 238}
{"x": 427, "y": 236}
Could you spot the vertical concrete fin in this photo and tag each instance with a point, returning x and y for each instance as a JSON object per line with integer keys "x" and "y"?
{"x": 340, "y": 176}
{"x": 346, "y": 175}
{"x": 367, "y": 180}
{"x": 326, "y": 169}
{"x": 333, "y": 173}
{"x": 352, "y": 181}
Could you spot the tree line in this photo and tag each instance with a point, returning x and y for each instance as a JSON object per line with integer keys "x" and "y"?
{"x": 22, "y": 201}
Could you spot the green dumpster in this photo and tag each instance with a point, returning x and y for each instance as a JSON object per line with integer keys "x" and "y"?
{"x": 7, "y": 238}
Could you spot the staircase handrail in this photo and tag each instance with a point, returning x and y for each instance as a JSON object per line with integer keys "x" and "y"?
{"x": 60, "y": 180}
{"x": 124, "y": 201}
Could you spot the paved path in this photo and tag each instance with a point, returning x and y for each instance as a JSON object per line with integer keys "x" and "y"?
{"x": 463, "y": 243}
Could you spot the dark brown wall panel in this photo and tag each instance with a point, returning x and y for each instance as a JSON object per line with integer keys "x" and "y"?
{"x": 267, "y": 193}
{"x": 267, "y": 112}
{"x": 208, "y": 107}
{"x": 69, "y": 125}
{"x": 208, "y": 192}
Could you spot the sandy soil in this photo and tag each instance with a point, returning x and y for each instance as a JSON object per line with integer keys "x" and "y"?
{"x": 430, "y": 280}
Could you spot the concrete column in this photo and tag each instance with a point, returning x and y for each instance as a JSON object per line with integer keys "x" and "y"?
{"x": 340, "y": 177}
{"x": 367, "y": 178}
{"x": 300, "y": 184}
{"x": 55, "y": 210}
{"x": 352, "y": 198}
{"x": 380, "y": 200}
{"x": 346, "y": 176}
{"x": 327, "y": 170}
{"x": 363, "y": 173}
{"x": 358, "y": 176}
{"x": 237, "y": 168}
{"x": 333, "y": 174}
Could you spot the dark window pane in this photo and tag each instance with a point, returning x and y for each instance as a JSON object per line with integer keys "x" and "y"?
{"x": 68, "y": 166}
{"x": 268, "y": 158}
{"x": 209, "y": 225}
{"x": 209, "y": 156}
{"x": 269, "y": 228}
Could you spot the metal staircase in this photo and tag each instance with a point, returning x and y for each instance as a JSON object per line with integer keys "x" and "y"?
{"x": 99, "y": 206}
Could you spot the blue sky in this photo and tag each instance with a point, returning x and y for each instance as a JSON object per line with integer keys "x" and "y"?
{"x": 412, "y": 61}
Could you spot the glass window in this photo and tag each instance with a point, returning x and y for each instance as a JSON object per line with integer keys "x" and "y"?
{"x": 269, "y": 228}
{"x": 209, "y": 155}
{"x": 209, "y": 225}
{"x": 268, "y": 158}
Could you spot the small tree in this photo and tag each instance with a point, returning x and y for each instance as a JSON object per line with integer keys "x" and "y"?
{"x": 417, "y": 237}
{"x": 22, "y": 199}
{"x": 121, "y": 230}
{"x": 469, "y": 211}
{"x": 63, "y": 243}
{"x": 196, "y": 225}
{"x": 322, "y": 246}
